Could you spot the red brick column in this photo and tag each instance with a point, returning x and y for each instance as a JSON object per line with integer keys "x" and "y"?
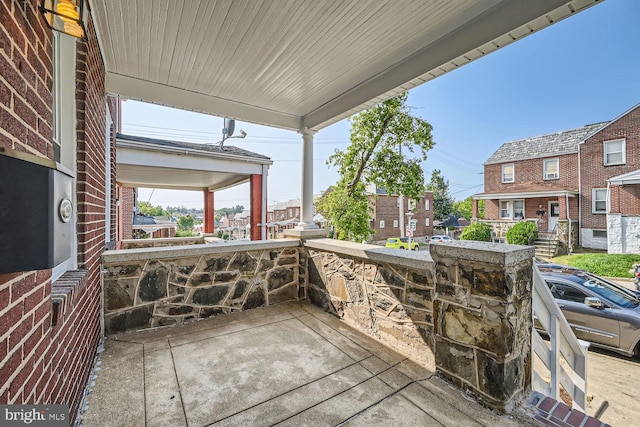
{"x": 209, "y": 216}
{"x": 256, "y": 215}
{"x": 614, "y": 199}
{"x": 126, "y": 203}
{"x": 474, "y": 209}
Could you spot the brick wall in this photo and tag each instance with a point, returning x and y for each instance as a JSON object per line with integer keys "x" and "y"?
{"x": 385, "y": 208}
{"x": 126, "y": 200}
{"x": 49, "y": 331}
{"x": 529, "y": 176}
{"x": 595, "y": 175}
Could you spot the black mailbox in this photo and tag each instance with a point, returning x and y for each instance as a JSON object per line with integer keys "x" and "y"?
{"x": 36, "y": 213}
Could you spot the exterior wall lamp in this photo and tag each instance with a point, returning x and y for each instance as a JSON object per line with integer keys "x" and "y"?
{"x": 66, "y": 16}
{"x": 540, "y": 212}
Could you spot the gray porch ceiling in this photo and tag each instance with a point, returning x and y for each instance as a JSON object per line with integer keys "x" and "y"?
{"x": 298, "y": 64}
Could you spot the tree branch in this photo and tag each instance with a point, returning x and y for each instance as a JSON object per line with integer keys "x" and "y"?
{"x": 351, "y": 185}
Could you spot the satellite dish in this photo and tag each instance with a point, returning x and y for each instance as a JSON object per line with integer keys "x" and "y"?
{"x": 229, "y": 127}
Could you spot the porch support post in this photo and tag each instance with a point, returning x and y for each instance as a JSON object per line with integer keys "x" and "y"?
{"x": 255, "y": 212}
{"x": 209, "y": 216}
{"x": 474, "y": 208}
{"x": 306, "y": 211}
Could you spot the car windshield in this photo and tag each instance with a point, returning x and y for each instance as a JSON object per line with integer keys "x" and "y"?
{"x": 611, "y": 293}
{"x": 391, "y": 240}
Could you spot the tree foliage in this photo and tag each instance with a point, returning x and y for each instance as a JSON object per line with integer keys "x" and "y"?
{"x": 185, "y": 224}
{"x": 147, "y": 209}
{"x": 479, "y": 231}
{"x": 387, "y": 146}
{"x": 522, "y": 232}
{"x": 442, "y": 200}
{"x": 464, "y": 208}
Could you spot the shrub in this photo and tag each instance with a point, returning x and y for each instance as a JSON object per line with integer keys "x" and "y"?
{"x": 520, "y": 233}
{"x": 479, "y": 231}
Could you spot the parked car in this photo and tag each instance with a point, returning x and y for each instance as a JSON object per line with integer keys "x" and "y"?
{"x": 440, "y": 238}
{"x": 599, "y": 311}
{"x": 402, "y": 243}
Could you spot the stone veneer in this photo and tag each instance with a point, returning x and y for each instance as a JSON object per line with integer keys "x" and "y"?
{"x": 162, "y": 242}
{"x": 465, "y": 310}
{"x": 163, "y": 286}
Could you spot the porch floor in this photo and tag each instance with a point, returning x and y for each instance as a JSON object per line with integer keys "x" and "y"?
{"x": 289, "y": 364}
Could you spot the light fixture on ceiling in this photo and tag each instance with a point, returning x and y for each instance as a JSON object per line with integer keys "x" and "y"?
{"x": 66, "y": 16}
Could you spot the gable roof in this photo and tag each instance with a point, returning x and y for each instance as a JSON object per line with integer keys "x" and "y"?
{"x": 552, "y": 144}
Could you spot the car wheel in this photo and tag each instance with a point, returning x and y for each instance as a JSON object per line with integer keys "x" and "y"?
{"x": 416, "y": 248}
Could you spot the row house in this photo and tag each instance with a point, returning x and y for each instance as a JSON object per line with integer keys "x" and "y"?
{"x": 283, "y": 216}
{"x": 385, "y": 214}
{"x": 579, "y": 185}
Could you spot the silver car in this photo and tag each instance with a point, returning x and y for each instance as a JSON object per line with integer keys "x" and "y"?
{"x": 599, "y": 311}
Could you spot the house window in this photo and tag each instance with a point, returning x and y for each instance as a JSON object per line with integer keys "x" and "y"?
{"x": 614, "y": 152}
{"x": 507, "y": 173}
{"x": 599, "y": 200}
{"x": 412, "y": 205}
{"x": 297, "y": 211}
{"x": 290, "y": 213}
{"x": 550, "y": 169}
{"x": 599, "y": 234}
{"x": 382, "y": 223}
{"x": 426, "y": 205}
{"x": 395, "y": 223}
{"x": 426, "y": 222}
{"x": 512, "y": 209}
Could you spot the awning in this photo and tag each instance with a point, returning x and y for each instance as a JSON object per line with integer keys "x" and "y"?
{"x": 626, "y": 179}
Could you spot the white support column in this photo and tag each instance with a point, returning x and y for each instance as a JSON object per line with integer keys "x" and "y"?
{"x": 306, "y": 211}
{"x": 263, "y": 215}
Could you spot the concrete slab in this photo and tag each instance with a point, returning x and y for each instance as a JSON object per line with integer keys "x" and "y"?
{"x": 223, "y": 375}
{"x": 355, "y": 351}
{"x": 394, "y": 411}
{"x": 118, "y": 398}
{"x": 162, "y": 392}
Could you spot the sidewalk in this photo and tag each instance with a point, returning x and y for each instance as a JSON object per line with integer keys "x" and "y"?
{"x": 291, "y": 364}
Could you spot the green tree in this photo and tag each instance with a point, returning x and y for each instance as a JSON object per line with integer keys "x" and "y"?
{"x": 479, "y": 231}
{"x": 464, "y": 208}
{"x": 147, "y": 209}
{"x": 185, "y": 226}
{"x": 387, "y": 145}
{"x": 442, "y": 200}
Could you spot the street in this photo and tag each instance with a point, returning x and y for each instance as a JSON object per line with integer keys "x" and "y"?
{"x": 614, "y": 378}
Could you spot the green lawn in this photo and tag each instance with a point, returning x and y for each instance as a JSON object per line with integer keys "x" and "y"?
{"x": 601, "y": 263}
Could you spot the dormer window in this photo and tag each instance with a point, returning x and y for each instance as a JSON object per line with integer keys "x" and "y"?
{"x": 507, "y": 173}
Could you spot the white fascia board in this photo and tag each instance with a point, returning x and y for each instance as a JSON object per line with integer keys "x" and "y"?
{"x": 143, "y": 90}
{"x": 185, "y": 162}
{"x": 525, "y": 195}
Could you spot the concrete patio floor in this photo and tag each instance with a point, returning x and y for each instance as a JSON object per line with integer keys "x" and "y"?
{"x": 289, "y": 364}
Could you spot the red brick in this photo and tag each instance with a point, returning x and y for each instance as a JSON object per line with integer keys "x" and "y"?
{"x": 10, "y": 318}
{"x": 21, "y": 330}
{"x": 561, "y": 411}
{"x": 593, "y": 422}
{"x": 575, "y": 418}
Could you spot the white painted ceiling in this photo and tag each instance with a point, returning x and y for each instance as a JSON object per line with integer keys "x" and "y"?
{"x": 300, "y": 64}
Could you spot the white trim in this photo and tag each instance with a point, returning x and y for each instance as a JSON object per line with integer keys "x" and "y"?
{"x": 107, "y": 177}
{"x": 623, "y": 151}
{"x": 513, "y": 173}
{"x": 549, "y": 176}
{"x": 525, "y": 195}
{"x": 382, "y": 223}
{"x": 510, "y": 208}
{"x": 594, "y": 200}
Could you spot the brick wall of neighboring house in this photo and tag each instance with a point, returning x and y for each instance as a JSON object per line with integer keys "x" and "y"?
{"x": 595, "y": 175}
{"x": 529, "y": 176}
{"x": 48, "y": 338}
{"x": 385, "y": 208}
{"x": 126, "y": 204}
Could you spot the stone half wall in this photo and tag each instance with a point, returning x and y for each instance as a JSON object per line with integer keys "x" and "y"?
{"x": 162, "y": 242}
{"x": 166, "y": 286}
{"x": 463, "y": 310}
{"x": 623, "y": 234}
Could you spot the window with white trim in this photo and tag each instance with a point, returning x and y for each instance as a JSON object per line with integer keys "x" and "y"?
{"x": 426, "y": 204}
{"x": 382, "y": 223}
{"x": 508, "y": 174}
{"x": 614, "y": 152}
{"x": 512, "y": 209}
{"x": 599, "y": 197}
{"x": 550, "y": 169}
{"x": 395, "y": 223}
{"x": 426, "y": 222}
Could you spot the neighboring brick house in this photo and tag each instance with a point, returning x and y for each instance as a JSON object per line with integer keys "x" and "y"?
{"x": 50, "y": 313}
{"x": 385, "y": 216}
{"x": 283, "y": 216}
{"x": 562, "y": 178}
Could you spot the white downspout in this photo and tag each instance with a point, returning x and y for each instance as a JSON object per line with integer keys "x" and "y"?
{"x": 579, "y": 199}
{"x": 570, "y": 241}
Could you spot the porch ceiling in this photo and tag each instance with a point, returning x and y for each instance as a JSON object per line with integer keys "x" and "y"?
{"x": 303, "y": 63}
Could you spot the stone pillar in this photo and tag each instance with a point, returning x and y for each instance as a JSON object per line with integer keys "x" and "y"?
{"x": 126, "y": 205}
{"x": 482, "y": 319}
{"x": 255, "y": 213}
{"x": 209, "y": 216}
{"x": 306, "y": 211}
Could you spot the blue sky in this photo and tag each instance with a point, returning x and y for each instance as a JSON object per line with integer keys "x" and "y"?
{"x": 585, "y": 69}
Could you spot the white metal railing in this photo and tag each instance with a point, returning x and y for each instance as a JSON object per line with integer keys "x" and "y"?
{"x": 564, "y": 357}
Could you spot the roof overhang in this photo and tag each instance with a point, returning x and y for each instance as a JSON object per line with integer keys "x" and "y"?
{"x": 156, "y": 165}
{"x": 626, "y": 179}
{"x": 525, "y": 195}
{"x": 301, "y": 64}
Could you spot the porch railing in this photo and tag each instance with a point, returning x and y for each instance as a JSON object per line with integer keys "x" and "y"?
{"x": 564, "y": 356}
